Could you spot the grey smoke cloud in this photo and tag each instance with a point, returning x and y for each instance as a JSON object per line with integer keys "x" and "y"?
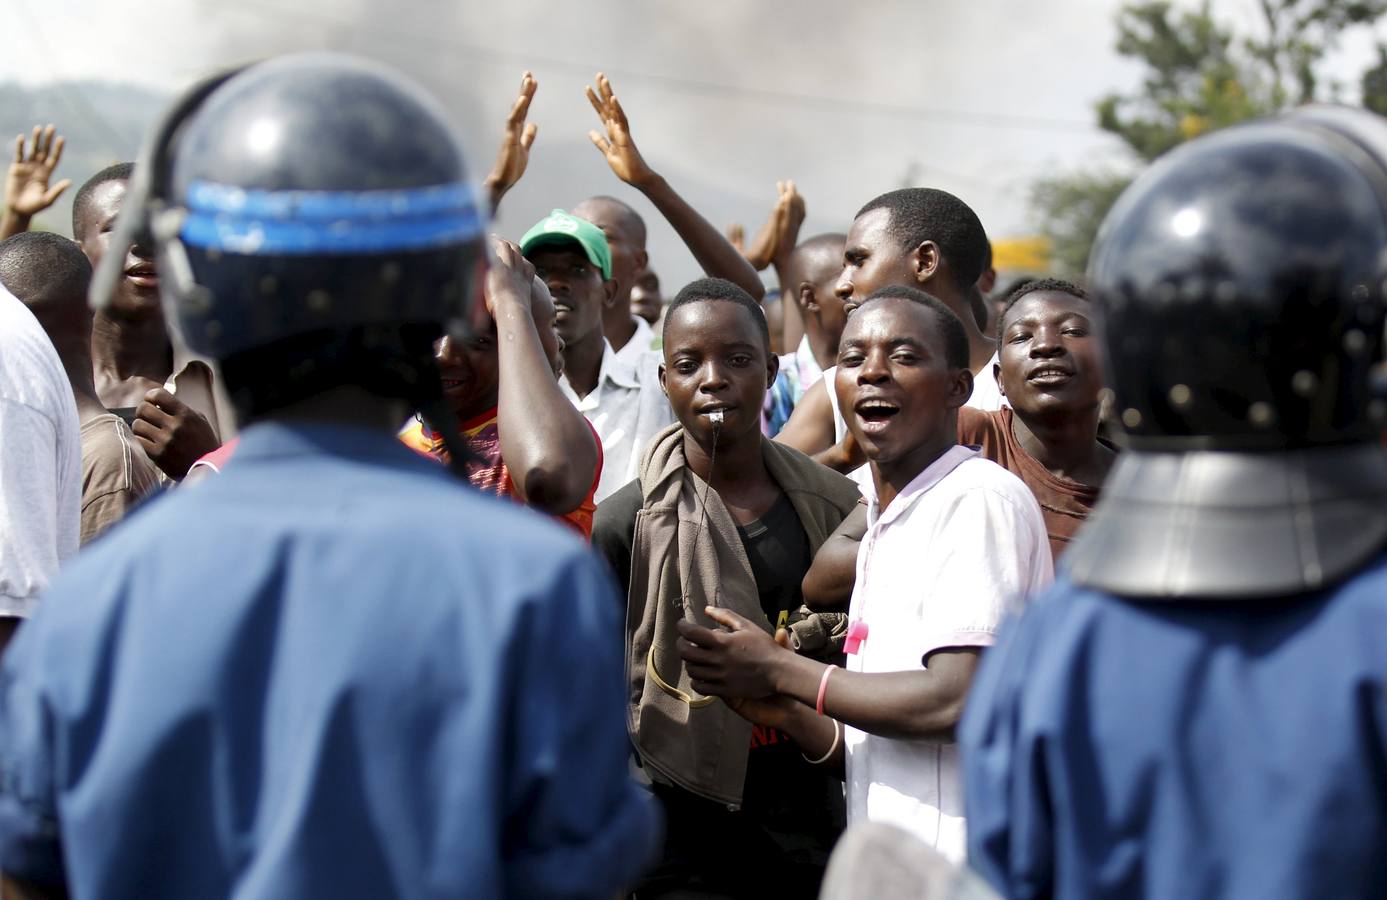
{"x": 725, "y": 98}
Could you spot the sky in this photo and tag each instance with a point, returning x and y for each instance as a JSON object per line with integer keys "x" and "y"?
{"x": 725, "y": 98}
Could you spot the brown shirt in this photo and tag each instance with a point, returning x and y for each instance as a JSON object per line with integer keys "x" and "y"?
{"x": 1063, "y": 503}
{"x": 116, "y": 474}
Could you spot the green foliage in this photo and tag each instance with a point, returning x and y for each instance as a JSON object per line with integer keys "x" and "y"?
{"x": 1199, "y": 77}
{"x": 1298, "y": 34}
{"x": 1194, "y": 81}
{"x": 1074, "y": 207}
{"x": 1375, "y": 84}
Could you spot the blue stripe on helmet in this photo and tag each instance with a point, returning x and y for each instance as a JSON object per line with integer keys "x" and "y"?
{"x": 263, "y": 222}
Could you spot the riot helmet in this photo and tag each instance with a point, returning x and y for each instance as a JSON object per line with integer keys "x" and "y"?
{"x": 314, "y": 226}
{"x": 1241, "y": 287}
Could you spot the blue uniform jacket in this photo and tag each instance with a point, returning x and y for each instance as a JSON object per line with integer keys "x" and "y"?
{"x": 332, "y": 671}
{"x": 1121, "y": 749}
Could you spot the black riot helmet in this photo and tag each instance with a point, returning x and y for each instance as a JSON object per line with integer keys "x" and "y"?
{"x": 1241, "y": 284}
{"x": 314, "y": 226}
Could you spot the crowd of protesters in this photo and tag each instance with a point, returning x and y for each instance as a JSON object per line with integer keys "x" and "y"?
{"x": 794, "y": 516}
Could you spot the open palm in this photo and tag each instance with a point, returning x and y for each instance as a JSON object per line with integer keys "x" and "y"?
{"x": 617, "y": 146}
{"x": 27, "y": 190}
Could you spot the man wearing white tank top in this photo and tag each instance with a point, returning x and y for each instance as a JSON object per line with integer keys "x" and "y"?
{"x": 914, "y": 237}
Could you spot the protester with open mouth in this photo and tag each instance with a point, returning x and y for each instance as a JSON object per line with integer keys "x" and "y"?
{"x": 1051, "y": 375}
{"x": 721, "y": 516}
{"x": 954, "y": 542}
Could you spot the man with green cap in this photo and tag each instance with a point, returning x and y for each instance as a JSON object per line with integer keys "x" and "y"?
{"x": 621, "y": 398}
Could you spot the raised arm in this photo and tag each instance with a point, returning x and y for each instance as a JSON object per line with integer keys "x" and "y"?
{"x": 514, "y": 154}
{"x": 787, "y": 237}
{"x": 714, "y": 253}
{"x": 27, "y": 192}
{"x": 769, "y": 244}
{"x": 545, "y": 442}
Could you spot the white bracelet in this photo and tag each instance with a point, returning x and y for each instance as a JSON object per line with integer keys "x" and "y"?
{"x": 837, "y": 736}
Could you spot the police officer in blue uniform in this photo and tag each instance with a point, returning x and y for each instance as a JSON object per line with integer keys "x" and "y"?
{"x": 1198, "y": 708}
{"x": 335, "y": 670}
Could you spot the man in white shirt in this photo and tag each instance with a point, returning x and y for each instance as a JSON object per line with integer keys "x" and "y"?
{"x": 40, "y": 464}
{"x": 621, "y": 398}
{"x": 954, "y": 542}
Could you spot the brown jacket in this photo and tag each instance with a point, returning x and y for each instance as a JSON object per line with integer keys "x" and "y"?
{"x": 679, "y": 565}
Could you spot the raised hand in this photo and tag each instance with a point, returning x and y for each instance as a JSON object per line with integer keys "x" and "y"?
{"x": 509, "y": 277}
{"x": 617, "y": 146}
{"x": 777, "y": 238}
{"x": 514, "y": 154}
{"x": 762, "y": 248}
{"x": 27, "y": 191}
{"x": 736, "y": 236}
{"x": 791, "y": 207}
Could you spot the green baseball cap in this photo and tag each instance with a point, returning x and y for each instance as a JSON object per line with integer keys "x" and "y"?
{"x": 561, "y": 228}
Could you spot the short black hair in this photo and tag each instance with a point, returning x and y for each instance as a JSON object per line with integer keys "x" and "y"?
{"x": 955, "y": 338}
{"x": 928, "y": 214}
{"x": 706, "y": 290}
{"x": 44, "y": 269}
{"x": 118, "y": 172}
{"x": 1036, "y": 285}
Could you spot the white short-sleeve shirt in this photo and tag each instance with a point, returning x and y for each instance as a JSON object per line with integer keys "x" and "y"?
{"x": 954, "y": 553}
{"x": 40, "y": 460}
{"x": 626, "y": 409}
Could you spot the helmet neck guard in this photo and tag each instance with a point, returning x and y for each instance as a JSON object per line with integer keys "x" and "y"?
{"x": 1223, "y": 525}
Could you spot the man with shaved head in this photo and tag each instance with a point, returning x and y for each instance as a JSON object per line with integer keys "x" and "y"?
{"x": 808, "y": 279}
{"x": 50, "y": 275}
{"x": 626, "y": 235}
{"x": 168, "y": 398}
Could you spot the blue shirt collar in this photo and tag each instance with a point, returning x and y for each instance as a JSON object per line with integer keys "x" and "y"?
{"x": 280, "y": 438}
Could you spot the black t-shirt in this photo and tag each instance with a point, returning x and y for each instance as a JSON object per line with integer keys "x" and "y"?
{"x": 777, "y": 843}
{"x": 778, "y": 550}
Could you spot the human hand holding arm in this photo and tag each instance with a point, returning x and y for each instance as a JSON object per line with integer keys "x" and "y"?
{"x": 514, "y": 154}
{"x": 714, "y": 253}
{"x": 26, "y": 186}
{"x": 545, "y": 442}
{"x": 743, "y": 661}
